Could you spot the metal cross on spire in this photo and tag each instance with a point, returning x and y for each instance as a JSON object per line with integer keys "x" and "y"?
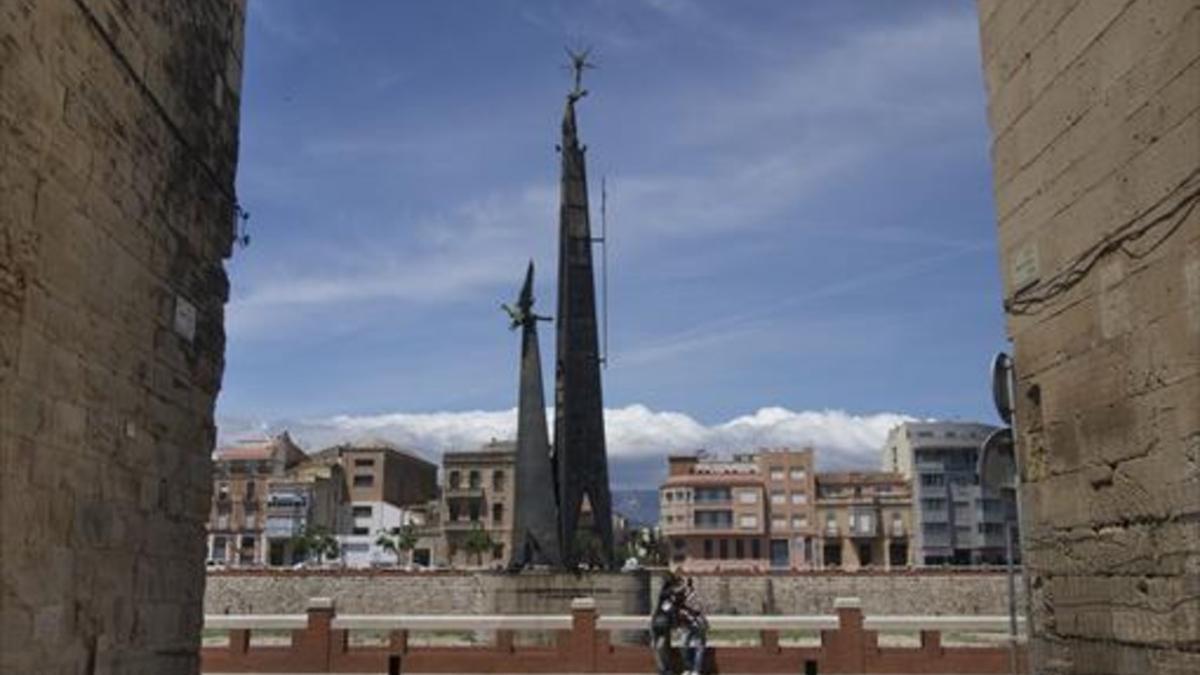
{"x": 579, "y": 63}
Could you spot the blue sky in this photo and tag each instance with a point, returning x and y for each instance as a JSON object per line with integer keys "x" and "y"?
{"x": 799, "y": 210}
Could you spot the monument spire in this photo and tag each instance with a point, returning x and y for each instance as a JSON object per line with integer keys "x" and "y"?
{"x": 535, "y": 517}
{"x": 579, "y": 448}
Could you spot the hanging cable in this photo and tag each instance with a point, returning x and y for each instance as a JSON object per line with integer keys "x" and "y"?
{"x": 1032, "y": 300}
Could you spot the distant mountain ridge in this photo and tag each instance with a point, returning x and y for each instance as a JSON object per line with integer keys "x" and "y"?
{"x": 639, "y": 506}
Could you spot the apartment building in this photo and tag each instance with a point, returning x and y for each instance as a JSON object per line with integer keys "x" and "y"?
{"x": 865, "y": 520}
{"x": 752, "y": 511}
{"x": 478, "y": 496}
{"x": 956, "y": 521}
{"x": 311, "y": 496}
{"x": 242, "y": 473}
{"x": 388, "y": 488}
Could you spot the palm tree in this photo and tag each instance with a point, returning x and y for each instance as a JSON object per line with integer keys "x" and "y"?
{"x": 406, "y": 540}
{"x": 478, "y": 541}
{"x": 403, "y": 539}
{"x": 316, "y": 541}
{"x": 386, "y": 542}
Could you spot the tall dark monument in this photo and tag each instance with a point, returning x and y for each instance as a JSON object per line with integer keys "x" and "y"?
{"x": 579, "y": 449}
{"x": 535, "y": 526}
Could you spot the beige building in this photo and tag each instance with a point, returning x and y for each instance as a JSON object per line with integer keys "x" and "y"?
{"x": 865, "y": 520}
{"x": 753, "y": 511}
{"x": 241, "y": 478}
{"x": 478, "y": 495}
{"x": 770, "y": 510}
{"x": 389, "y": 488}
{"x": 311, "y": 496}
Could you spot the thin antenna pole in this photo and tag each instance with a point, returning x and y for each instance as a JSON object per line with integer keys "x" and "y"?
{"x": 604, "y": 259}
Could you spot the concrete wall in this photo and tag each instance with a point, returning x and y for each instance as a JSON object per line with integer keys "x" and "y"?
{"x": 465, "y": 593}
{"x": 118, "y": 135}
{"x": 1094, "y": 108}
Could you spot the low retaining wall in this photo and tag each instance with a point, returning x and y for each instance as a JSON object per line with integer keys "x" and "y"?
{"x": 398, "y": 592}
{"x": 321, "y": 643}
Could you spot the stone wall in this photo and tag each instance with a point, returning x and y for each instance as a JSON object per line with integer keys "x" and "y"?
{"x": 385, "y": 592}
{"x": 1094, "y": 108}
{"x": 118, "y": 137}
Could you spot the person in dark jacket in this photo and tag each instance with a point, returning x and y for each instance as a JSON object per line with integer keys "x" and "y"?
{"x": 677, "y": 607}
{"x": 664, "y": 620}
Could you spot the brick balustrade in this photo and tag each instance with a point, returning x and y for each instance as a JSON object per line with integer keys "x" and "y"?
{"x": 320, "y": 643}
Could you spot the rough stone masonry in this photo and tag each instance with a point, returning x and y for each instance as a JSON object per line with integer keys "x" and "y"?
{"x": 118, "y": 143}
{"x": 1094, "y": 107}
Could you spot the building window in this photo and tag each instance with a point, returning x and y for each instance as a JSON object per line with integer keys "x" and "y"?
{"x": 755, "y": 548}
{"x": 748, "y": 497}
{"x": 723, "y": 547}
{"x": 362, "y": 511}
{"x": 218, "y": 549}
{"x": 668, "y": 496}
{"x": 717, "y": 494}
{"x": 713, "y": 519}
{"x": 777, "y": 473}
{"x": 497, "y": 512}
{"x": 778, "y": 497}
{"x": 739, "y": 549}
{"x": 747, "y": 522}
{"x": 474, "y": 481}
{"x": 708, "y": 549}
{"x": 678, "y": 544}
{"x": 799, "y": 498}
{"x": 251, "y": 490}
{"x": 360, "y": 531}
{"x": 473, "y": 512}
{"x": 498, "y": 481}
{"x": 498, "y": 552}
{"x": 364, "y": 480}
{"x": 778, "y": 524}
{"x": 798, "y": 474}
{"x": 799, "y": 522}
{"x": 455, "y": 480}
{"x": 364, "y": 462}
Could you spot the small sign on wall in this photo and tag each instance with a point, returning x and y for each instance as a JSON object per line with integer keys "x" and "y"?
{"x": 1024, "y": 267}
{"x": 185, "y": 319}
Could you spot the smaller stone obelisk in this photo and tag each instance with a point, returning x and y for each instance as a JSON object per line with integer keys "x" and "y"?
{"x": 535, "y": 526}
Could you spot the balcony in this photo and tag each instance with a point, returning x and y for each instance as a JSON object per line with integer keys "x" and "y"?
{"x": 282, "y": 528}
{"x": 464, "y": 492}
{"x": 462, "y": 525}
{"x": 863, "y": 528}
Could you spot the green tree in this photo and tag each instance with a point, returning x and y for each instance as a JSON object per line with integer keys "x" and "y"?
{"x": 387, "y": 542}
{"x": 403, "y": 540}
{"x": 316, "y": 542}
{"x": 478, "y": 541}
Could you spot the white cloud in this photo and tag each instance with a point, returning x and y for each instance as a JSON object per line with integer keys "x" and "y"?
{"x": 635, "y": 433}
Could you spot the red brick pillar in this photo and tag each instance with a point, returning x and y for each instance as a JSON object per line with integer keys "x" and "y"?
{"x": 313, "y": 646}
{"x": 239, "y": 645}
{"x": 583, "y": 635}
{"x": 769, "y": 639}
{"x": 845, "y": 649}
